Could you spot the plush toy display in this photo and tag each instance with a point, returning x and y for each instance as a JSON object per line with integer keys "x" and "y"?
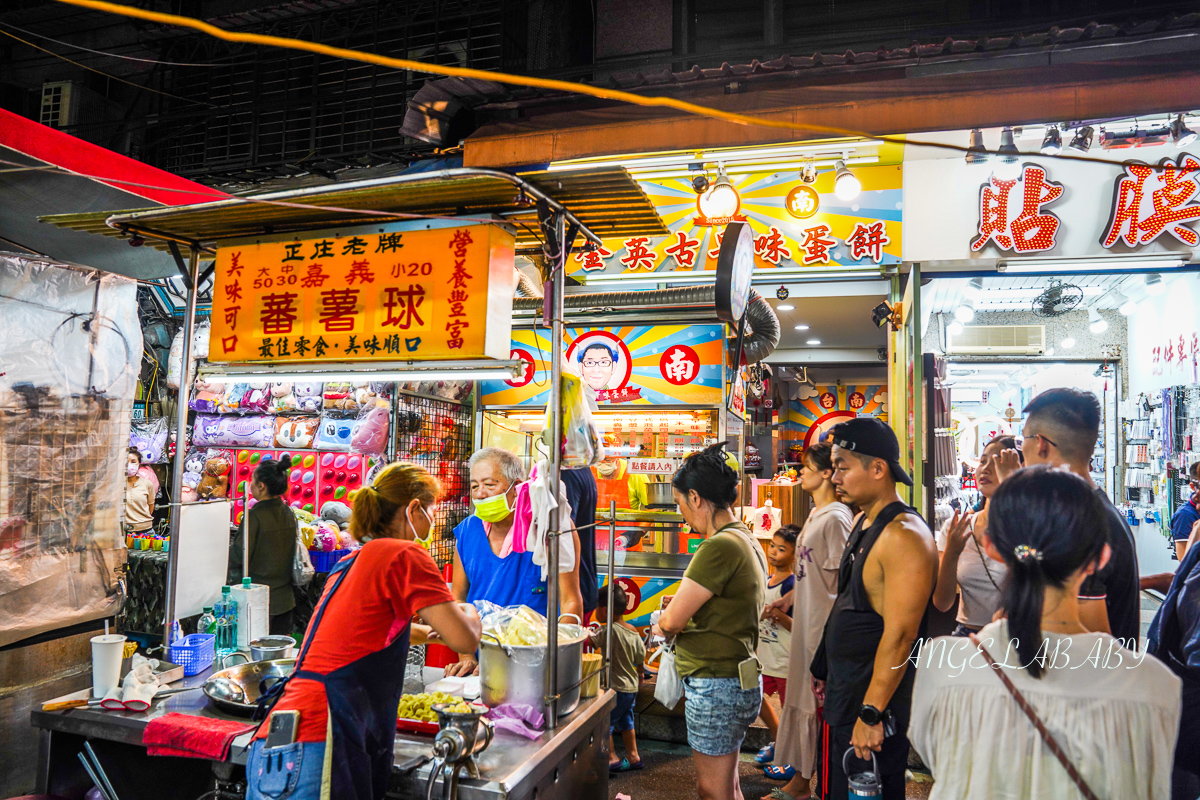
{"x": 231, "y": 401}
{"x": 339, "y": 396}
{"x": 334, "y": 433}
{"x": 257, "y": 399}
{"x": 370, "y": 432}
{"x": 207, "y": 397}
{"x": 150, "y": 439}
{"x": 175, "y": 361}
{"x": 336, "y": 512}
{"x": 295, "y": 433}
{"x": 309, "y": 396}
{"x": 215, "y": 482}
{"x": 252, "y": 431}
{"x": 283, "y": 399}
{"x": 326, "y": 538}
{"x": 193, "y": 470}
{"x": 200, "y": 339}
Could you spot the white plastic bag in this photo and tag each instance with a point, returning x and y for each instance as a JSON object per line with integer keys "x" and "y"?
{"x": 302, "y": 566}
{"x": 669, "y": 688}
{"x": 583, "y": 444}
{"x": 175, "y": 360}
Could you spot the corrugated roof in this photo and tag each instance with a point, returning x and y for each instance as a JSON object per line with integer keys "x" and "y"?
{"x": 606, "y": 201}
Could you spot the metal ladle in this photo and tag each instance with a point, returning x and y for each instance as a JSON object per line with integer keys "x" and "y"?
{"x": 226, "y": 689}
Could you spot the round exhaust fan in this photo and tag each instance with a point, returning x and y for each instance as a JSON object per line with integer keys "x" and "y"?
{"x": 1058, "y": 299}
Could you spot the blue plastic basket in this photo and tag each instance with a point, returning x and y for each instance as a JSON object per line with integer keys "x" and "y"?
{"x": 323, "y": 562}
{"x": 195, "y": 652}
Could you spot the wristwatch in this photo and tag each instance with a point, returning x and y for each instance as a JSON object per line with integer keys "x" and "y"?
{"x": 870, "y": 715}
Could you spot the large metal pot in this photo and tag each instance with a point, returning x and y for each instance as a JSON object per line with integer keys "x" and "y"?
{"x": 236, "y": 690}
{"x": 518, "y": 673}
{"x": 660, "y": 494}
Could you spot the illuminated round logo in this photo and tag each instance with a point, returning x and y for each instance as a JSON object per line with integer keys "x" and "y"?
{"x": 802, "y": 201}
{"x": 827, "y": 401}
{"x": 601, "y": 359}
{"x": 679, "y": 365}
{"x": 528, "y": 367}
{"x": 857, "y": 400}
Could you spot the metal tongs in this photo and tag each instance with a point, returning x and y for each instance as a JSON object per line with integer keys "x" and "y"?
{"x": 91, "y": 765}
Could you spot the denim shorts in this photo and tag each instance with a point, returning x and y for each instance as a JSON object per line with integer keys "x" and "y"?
{"x": 718, "y": 712}
{"x": 622, "y": 715}
{"x": 290, "y": 772}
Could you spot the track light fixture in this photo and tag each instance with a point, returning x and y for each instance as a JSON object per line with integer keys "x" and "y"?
{"x": 1008, "y": 167}
{"x": 1082, "y": 140}
{"x": 977, "y": 153}
{"x": 1052, "y": 141}
{"x": 1180, "y": 133}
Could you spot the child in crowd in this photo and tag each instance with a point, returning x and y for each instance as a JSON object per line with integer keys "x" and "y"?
{"x": 775, "y": 639}
{"x": 628, "y": 656}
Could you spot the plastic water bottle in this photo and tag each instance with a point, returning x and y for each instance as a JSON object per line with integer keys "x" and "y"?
{"x": 226, "y": 615}
{"x": 207, "y": 622}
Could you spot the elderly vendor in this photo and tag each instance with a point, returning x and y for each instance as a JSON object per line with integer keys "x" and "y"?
{"x": 487, "y": 565}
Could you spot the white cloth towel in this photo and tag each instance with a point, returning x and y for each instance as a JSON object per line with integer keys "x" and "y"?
{"x": 543, "y": 503}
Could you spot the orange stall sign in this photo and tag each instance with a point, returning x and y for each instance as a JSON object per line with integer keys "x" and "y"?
{"x": 413, "y": 295}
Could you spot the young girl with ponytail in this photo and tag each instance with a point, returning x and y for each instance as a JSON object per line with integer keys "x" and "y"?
{"x": 350, "y": 671}
{"x": 272, "y": 532}
{"x": 1112, "y": 711}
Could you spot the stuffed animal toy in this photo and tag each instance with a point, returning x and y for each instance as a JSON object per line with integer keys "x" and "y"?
{"x": 364, "y": 395}
{"x": 214, "y": 485}
{"x": 370, "y": 432}
{"x": 231, "y": 402}
{"x": 253, "y": 431}
{"x": 339, "y": 396}
{"x": 336, "y": 512}
{"x": 334, "y": 433}
{"x": 283, "y": 399}
{"x": 175, "y": 361}
{"x": 345, "y": 540}
{"x": 293, "y": 433}
{"x": 325, "y": 539}
{"x": 189, "y": 494}
{"x": 200, "y": 339}
{"x": 257, "y": 399}
{"x": 207, "y": 397}
{"x": 150, "y": 439}
{"x": 309, "y": 396}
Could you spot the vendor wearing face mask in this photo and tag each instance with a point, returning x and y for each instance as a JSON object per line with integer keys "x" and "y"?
{"x": 486, "y": 565}
{"x": 615, "y": 482}
{"x": 139, "y": 495}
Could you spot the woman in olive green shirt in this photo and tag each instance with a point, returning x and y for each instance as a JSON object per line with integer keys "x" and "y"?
{"x": 714, "y": 618}
{"x": 272, "y": 532}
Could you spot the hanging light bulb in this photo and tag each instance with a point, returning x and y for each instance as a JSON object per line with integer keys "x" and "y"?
{"x": 973, "y": 289}
{"x": 845, "y": 185}
{"x": 954, "y": 328}
{"x": 1008, "y": 167}
{"x": 1154, "y": 284}
{"x": 1180, "y": 132}
{"x": 1096, "y": 323}
{"x": 722, "y": 199}
{"x": 1082, "y": 140}
{"x": 965, "y": 311}
{"x": 977, "y": 153}
{"x": 1052, "y": 142}
{"x": 1124, "y": 304}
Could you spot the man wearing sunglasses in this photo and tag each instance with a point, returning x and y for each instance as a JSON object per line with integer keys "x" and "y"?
{"x": 1061, "y": 429}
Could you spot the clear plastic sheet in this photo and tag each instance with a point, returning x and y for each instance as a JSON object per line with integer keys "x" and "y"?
{"x": 70, "y": 349}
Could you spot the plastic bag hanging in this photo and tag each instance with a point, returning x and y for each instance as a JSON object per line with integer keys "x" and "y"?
{"x": 583, "y": 443}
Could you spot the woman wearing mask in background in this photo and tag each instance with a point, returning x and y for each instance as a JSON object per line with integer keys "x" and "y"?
{"x": 139, "y": 495}
{"x": 818, "y": 555}
{"x": 966, "y": 570}
{"x": 1112, "y": 711}
{"x": 350, "y": 671}
{"x": 487, "y": 565}
{"x": 714, "y": 619}
{"x": 272, "y": 536}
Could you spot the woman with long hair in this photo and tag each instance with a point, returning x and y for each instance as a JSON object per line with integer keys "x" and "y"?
{"x": 1113, "y": 712}
{"x": 714, "y": 619}
{"x": 966, "y": 571}
{"x": 818, "y": 555}
{"x": 350, "y": 672}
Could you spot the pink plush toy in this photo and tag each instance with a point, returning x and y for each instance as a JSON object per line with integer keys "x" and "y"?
{"x": 370, "y": 432}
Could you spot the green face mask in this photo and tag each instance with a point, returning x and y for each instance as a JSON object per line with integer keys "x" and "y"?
{"x": 493, "y": 509}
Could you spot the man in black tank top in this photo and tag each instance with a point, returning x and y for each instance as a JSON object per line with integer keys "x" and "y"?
{"x": 886, "y": 578}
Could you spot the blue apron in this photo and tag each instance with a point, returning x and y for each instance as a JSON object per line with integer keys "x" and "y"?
{"x": 362, "y": 697}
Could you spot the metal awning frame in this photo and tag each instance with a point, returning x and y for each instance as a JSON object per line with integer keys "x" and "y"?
{"x": 143, "y": 223}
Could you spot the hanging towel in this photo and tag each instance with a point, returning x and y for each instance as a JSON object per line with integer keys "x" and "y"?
{"x": 518, "y": 534}
{"x": 192, "y": 737}
{"x": 544, "y": 503}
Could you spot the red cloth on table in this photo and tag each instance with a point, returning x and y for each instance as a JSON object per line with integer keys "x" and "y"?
{"x": 192, "y": 737}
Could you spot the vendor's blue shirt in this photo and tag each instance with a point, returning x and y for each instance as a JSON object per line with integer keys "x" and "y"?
{"x": 1184, "y": 519}
{"x": 511, "y": 581}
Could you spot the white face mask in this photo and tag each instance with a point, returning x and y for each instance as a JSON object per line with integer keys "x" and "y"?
{"x": 413, "y": 528}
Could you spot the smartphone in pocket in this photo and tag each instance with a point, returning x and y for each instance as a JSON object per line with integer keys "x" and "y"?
{"x": 283, "y": 729}
{"x": 748, "y": 672}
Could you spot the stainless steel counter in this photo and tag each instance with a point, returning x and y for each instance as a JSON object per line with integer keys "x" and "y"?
{"x": 571, "y": 761}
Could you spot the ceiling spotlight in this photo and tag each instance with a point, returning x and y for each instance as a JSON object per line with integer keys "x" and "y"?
{"x": 880, "y": 314}
{"x": 1180, "y": 133}
{"x": 954, "y": 328}
{"x": 1052, "y": 141}
{"x": 1096, "y": 323}
{"x": 136, "y": 241}
{"x": 965, "y": 312}
{"x": 802, "y": 327}
{"x": 785, "y": 307}
{"x": 700, "y": 183}
{"x": 977, "y": 153}
{"x": 1082, "y": 140}
{"x": 1124, "y": 304}
{"x": 973, "y": 289}
{"x": 1154, "y": 284}
{"x": 808, "y": 172}
{"x": 1008, "y": 167}
{"x": 721, "y": 200}
{"x": 1067, "y": 343}
{"x": 845, "y": 185}
{"x": 813, "y": 341}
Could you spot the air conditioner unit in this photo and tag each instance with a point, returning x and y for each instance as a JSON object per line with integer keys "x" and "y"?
{"x": 66, "y": 104}
{"x": 1010, "y": 340}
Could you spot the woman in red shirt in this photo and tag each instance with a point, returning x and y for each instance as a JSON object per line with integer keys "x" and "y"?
{"x": 350, "y": 672}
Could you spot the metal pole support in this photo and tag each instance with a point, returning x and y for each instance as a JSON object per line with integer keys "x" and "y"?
{"x": 557, "y": 287}
{"x": 612, "y": 560}
{"x": 181, "y": 414}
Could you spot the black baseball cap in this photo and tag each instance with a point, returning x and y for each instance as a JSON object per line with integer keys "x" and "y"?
{"x": 869, "y": 436}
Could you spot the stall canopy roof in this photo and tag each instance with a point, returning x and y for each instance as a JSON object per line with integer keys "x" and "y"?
{"x": 607, "y": 202}
{"x": 46, "y": 171}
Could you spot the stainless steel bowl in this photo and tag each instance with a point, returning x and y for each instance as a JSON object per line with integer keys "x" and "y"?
{"x": 660, "y": 494}
{"x": 252, "y": 679}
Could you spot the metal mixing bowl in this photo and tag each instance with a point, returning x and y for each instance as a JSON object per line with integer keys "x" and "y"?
{"x": 252, "y": 679}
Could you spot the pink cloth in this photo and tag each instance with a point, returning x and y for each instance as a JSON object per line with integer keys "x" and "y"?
{"x": 515, "y": 541}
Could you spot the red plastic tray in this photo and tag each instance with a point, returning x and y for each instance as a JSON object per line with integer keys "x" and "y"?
{"x": 416, "y": 726}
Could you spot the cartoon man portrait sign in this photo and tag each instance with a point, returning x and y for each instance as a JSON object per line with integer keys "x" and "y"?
{"x": 603, "y": 361}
